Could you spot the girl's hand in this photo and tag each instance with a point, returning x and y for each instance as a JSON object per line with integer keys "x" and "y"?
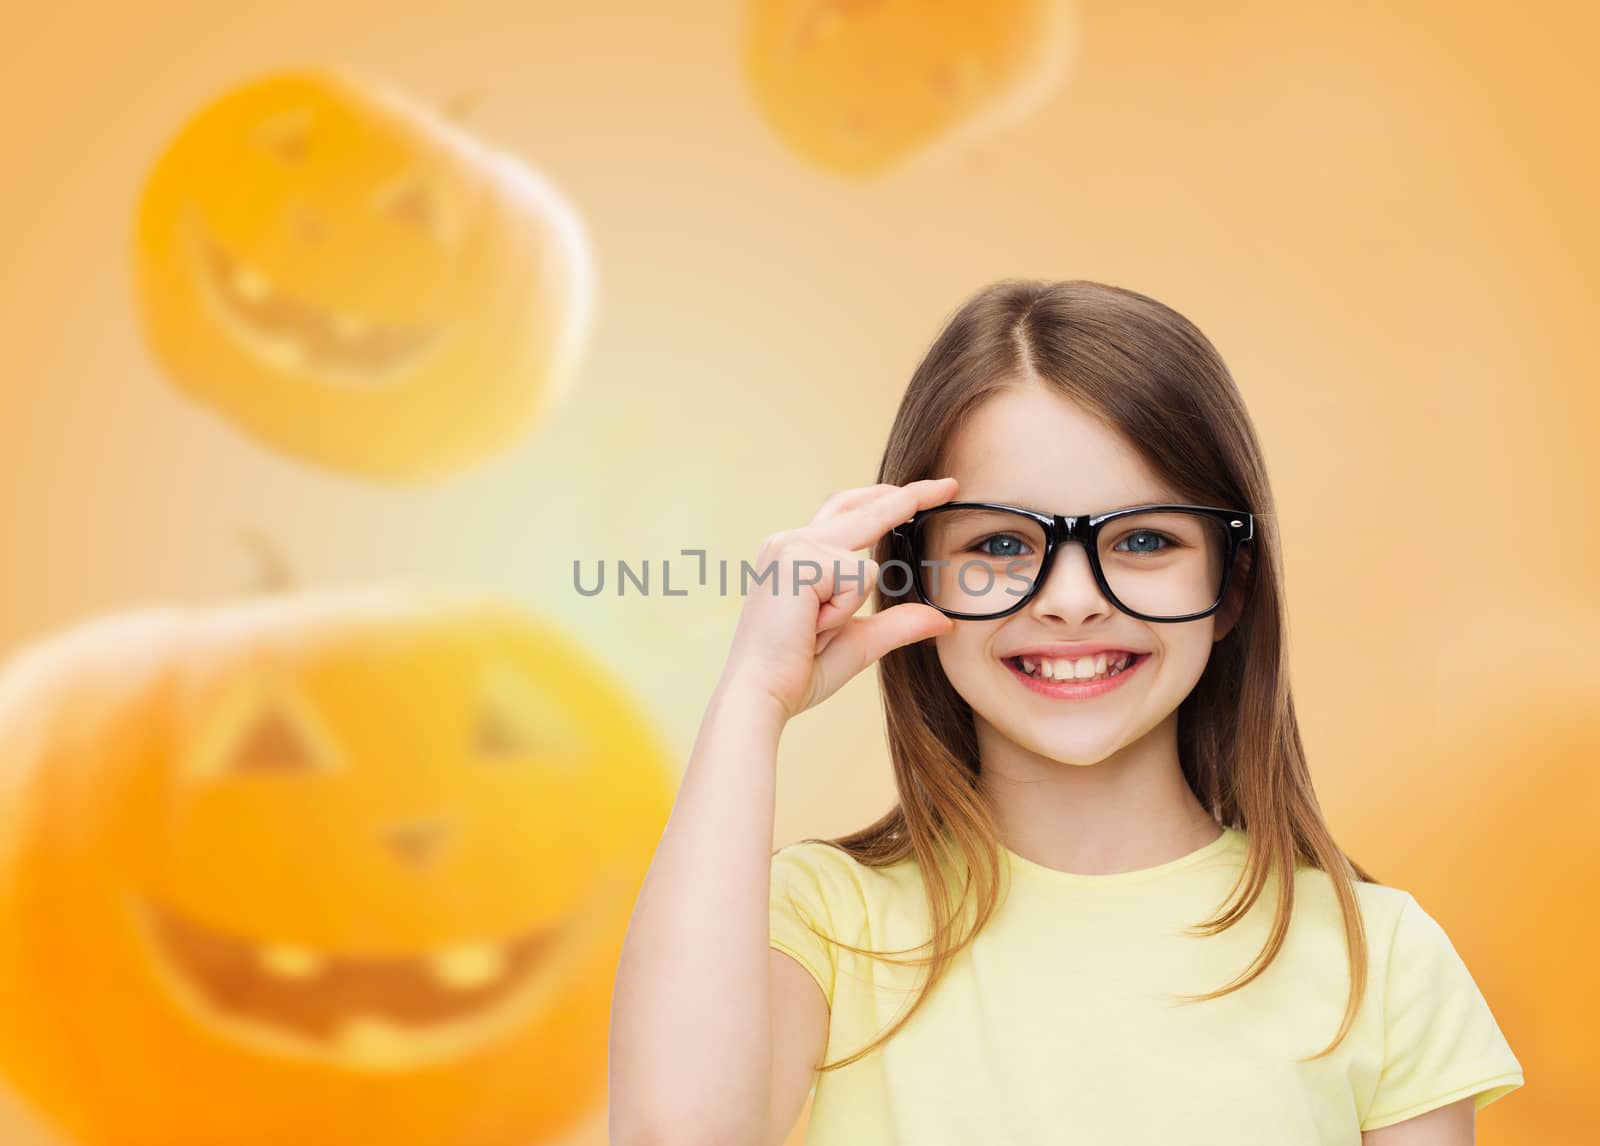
{"x": 799, "y": 644}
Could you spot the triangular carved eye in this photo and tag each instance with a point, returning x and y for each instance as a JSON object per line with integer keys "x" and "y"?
{"x": 258, "y": 724}
{"x": 288, "y": 136}
{"x": 273, "y": 743}
{"x": 516, "y": 719}
{"x": 497, "y": 737}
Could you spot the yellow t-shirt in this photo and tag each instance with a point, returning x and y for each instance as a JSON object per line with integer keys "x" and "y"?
{"x": 1054, "y": 1026}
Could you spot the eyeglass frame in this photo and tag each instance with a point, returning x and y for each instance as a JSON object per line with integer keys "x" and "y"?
{"x": 1060, "y": 529}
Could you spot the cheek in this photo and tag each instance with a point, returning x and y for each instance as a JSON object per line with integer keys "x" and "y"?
{"x": 951, "y": 655}
{"x": 1184, "y": 654}
{"x": 976, "y": 674}
{"x": 1197, "y": 641}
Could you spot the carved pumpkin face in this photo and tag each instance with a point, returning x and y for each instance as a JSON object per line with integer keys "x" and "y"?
{"x": 335, "y": 868}
{"x": 355, "y": 281}
{"x": 856, "y": 86}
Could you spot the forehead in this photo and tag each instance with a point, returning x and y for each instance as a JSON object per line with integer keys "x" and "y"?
{"x": 1029, "y": 445}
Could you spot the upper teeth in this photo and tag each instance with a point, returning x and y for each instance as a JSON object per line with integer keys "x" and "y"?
{"x": 1083, "y": 668}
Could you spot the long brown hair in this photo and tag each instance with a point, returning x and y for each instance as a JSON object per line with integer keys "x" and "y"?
{"x": 1151, "y": 375}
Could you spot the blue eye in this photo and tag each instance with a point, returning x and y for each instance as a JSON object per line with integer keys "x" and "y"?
{"x": 1146, "y": 533}
{"x": 1004, "y": 539}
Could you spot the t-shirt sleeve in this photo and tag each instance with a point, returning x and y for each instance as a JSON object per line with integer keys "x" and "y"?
{"x": 1441, "y": 1041}
{"x": 801, "y": 884}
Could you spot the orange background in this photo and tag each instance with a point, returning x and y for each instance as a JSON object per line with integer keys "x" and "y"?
{"x": 1381, "y": 214}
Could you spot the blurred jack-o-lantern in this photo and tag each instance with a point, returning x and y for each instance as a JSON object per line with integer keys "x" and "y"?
{"x": 355, "y": 281}
{"x": 347, "y": 866}
{"x": 857, "y": 86}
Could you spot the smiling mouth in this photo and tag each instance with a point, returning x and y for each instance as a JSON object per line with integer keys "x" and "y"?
{"x": 292, "y": 335}
{"x": 363, "y": 1012}
{"x": 1081, "y": 670}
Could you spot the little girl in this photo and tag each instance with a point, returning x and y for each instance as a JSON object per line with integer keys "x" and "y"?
{"x": 1105, "y": 908}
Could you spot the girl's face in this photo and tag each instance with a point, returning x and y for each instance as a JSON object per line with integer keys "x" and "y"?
{"x": 1032, "y": 447}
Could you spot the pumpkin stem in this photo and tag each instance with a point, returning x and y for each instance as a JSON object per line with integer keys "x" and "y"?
{"x": 273, "y": 574}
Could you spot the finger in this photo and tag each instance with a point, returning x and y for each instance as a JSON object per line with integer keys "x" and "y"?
{"x": 847, "y": 499}
{"x": 837, "y": 609}
{"x": 862, "y": 526}
{"x": 808, "y": 564}
{"x": 866, "y": 639}
{"x": 834, "y": 614}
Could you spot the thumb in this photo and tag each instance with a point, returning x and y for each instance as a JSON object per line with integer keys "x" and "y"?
{"x": 923, "y": 621}
{"x": 863, "y": 640}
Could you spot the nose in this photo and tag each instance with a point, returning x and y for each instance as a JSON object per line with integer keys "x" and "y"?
{"x": 417, "y": 841}
{"x": 1070, "y": 593}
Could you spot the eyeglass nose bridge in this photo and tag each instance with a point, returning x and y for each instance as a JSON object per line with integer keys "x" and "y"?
{"x": 1070, "y": 528}
{"x": 1062, "y": 531}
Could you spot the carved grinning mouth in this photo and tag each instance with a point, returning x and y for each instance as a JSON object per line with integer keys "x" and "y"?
{"x": 365, "y": 1011}
{"x": 293, "y": 335}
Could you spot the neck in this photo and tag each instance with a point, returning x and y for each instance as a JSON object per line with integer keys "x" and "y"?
{"x": 1132, "y": 809}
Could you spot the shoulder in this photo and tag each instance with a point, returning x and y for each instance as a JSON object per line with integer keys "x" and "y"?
{"x": 814, "y": 860}
{"x": 1410, "y": 937}
{"x": 1404, "y": 943}
{"x": 1397, "y": 925}
{"x": 819, "y": 889}
{"x": 1382, "y": 907}
{"x": 1418, "y": 974}
{"x": 1408, "y": 950}
{"x": 824, "y": 861}
{"x": 822, "y": 872}
{"x": 814, "y": 855}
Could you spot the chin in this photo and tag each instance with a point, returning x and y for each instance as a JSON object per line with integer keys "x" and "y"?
{"x": 1068, "y": 747}
{"x": 1085, "y": 758}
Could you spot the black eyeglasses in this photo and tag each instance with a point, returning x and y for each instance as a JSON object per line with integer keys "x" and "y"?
{"x": 1176, "y": 568}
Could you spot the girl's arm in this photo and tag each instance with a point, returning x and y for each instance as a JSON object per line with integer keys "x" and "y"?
{"x": 690, "y": 1030}
{"x": 1452, "y": 1125}
{"x": 692, "y": 1056}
